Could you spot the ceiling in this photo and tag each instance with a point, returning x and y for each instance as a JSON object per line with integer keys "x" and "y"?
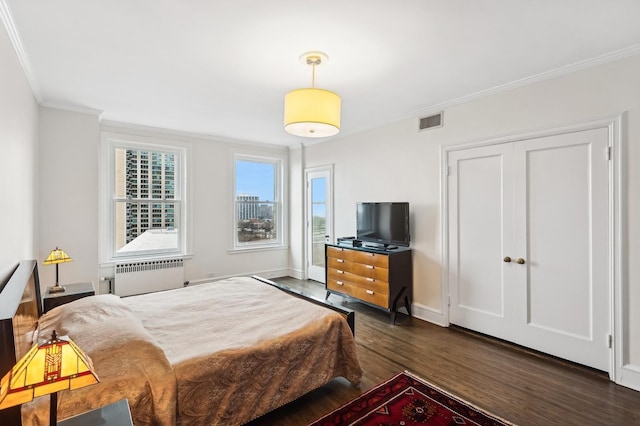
{"x": 222, "y": 68}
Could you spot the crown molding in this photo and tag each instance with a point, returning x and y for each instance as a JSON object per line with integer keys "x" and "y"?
{"x": 16, "y": 41}
{"x": 547, "y": 75}
{"x": 72, "y": 108}
{"x": 144, "y": 130}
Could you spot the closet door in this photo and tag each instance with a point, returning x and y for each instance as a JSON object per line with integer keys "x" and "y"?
{"x": 562, "y": 233}
{"x": 529, "y": 232}
{"x": 480, "y": 236}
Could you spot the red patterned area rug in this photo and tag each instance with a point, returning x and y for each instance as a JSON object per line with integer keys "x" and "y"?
{"x": 407, "y": 400}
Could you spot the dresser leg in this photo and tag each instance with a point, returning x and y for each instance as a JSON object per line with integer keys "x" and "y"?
{"x": 327, "y": 296}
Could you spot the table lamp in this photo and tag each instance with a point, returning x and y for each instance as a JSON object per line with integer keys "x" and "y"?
{"x": 57, "y": 256}
{"x": 49, "y": 366}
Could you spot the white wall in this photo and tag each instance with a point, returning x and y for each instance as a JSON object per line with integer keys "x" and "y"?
{"x": 19, "y": 170}
{"x": 396, "y": 162}
{"x": 68, "y": 194}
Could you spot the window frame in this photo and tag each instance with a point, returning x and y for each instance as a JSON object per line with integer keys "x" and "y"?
{"x": 280, "y": 203}
{"x": 110, "y": 142}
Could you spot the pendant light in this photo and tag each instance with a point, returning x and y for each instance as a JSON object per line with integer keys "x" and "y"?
{"x": 312, "y": 112}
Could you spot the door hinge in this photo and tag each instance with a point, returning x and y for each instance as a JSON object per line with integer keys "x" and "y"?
{"x": 610, "y": 341}
{"x": 448, "y": 170}
{"x": 448, "y": 300}
{"x": 609, "y": 153}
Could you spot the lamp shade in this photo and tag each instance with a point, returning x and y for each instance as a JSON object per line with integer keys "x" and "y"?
{"x": 312, "y": 112}
{"x": 50, "y": 366}
{"x": 57, "y": 256}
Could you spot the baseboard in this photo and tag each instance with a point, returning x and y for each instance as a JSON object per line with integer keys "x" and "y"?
{"x": 295, "y": 273}
{"x": 273, "y": 273}
{"x": 428, "y": 314}
{"x": 630, "y": 377}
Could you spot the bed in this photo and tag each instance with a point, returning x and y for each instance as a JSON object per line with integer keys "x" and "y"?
{"x": 224, "y": 352}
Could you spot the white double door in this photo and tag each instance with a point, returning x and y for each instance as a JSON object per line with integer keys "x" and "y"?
{"x": 529, "y": 244}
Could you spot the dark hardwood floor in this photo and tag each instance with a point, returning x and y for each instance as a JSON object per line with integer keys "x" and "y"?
{"x": 522, "y": 386}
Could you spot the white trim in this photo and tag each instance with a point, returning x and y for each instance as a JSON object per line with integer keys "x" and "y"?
{"x": 139, "y": 129}
{"x": 536, "y": 78}
{"x": 73, "y": 108}
{"x": 624, "y": 373}
{"x": 330, "y": 211}
{"x": 108, "y": 141}
{"x": 619, "y": 371}
{"x": 429, "y": 314}
{"x": 444, "y": 232}
{"x": 266, "y": 273}
{"x": 12, "y": 31}
{"x": 629, "y": 376}
{"x": 281, "y": 160}
{"x": 296, "y": 273}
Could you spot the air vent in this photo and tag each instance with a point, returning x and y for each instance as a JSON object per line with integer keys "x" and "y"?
{"x": 430, "y": 122}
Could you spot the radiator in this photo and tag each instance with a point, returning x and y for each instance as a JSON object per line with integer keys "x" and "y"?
{"x": 147, "y": 277}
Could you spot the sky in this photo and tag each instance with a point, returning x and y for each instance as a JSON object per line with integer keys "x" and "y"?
{"x": 255, "y": 178}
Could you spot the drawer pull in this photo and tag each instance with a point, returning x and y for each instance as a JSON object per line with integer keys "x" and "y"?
{"x": 370, "y": 280}
{"x": 369, "y": 291}
{"x": 339, "y": 271}
{"x": 369, "y": 266}
{"x": 339, "y": 260}
{"x": 339, "y": 283}
{"x": 371, "y": 254}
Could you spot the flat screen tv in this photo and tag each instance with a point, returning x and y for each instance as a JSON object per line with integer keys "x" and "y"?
{"x": 385, "y": 224}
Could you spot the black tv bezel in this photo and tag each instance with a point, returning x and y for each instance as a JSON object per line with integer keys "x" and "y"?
{"x": 384, "y": 243}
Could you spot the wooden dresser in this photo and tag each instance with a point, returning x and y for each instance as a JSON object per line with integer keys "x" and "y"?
{"x": 380, "y": 278}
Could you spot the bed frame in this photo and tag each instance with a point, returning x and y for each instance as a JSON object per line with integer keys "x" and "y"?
{"x": 20, "y": 308}
{"x": 348, "y": 314}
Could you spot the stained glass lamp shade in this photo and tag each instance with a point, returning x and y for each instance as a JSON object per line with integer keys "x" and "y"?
{"x": 50, "y": 366}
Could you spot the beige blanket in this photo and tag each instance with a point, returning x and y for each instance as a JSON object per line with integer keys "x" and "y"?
{"x": 218, "y": 353}
{"x": 241, "y": 348}
{"x": 126, "y": 359}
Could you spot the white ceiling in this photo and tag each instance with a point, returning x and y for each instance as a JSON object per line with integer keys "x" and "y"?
{"x": 222, "y": 68}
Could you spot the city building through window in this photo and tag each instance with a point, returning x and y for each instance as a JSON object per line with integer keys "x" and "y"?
{"x": 145, "y": 200}
{"x": 258, "y": 205}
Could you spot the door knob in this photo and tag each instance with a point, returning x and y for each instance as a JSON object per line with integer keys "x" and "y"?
{"x": 507, "y": 259}
{"x": 520, "y": 261}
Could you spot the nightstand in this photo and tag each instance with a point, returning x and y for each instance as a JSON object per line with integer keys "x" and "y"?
{"x": 116, "y": 414}
{"x": 72, "y": 292}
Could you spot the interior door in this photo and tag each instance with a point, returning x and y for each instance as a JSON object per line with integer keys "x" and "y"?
{"x": 480, "y": 219}
{"x": 562, "y": 233}
{"x": 529, "y": 243}
{"x": 319, "y": 220}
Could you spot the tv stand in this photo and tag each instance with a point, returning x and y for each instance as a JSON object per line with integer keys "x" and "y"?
{"x": 379, "y": 277}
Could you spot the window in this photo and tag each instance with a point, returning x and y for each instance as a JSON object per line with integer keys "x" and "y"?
{"x": 258, "y": 202}
{"x": 145, "y": 206}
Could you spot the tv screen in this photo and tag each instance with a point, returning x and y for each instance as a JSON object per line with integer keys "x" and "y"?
{"x": 383, "y": 223}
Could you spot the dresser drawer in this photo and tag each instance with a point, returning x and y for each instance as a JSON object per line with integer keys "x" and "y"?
{"x": 379, "y": 286}
{"x": 363, "y": 257}
{"x": 369, "y": 271}
{"x": 367, "y": 258}
{"x": 371, "y": 294}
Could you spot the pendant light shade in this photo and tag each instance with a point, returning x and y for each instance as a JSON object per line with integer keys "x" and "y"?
{"x": 312, "y": 112}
